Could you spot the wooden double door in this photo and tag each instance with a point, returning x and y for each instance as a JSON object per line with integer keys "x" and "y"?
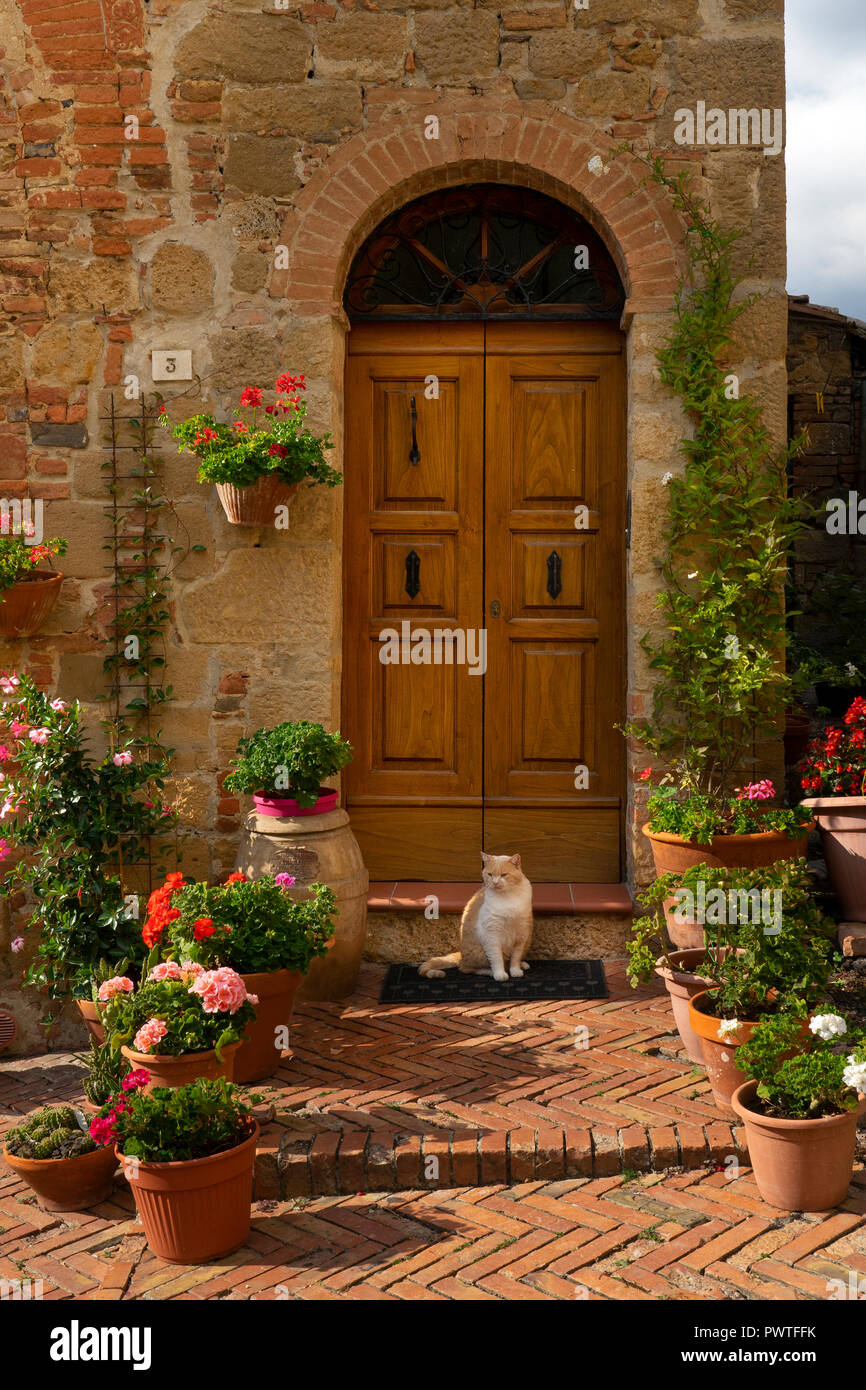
{"x": 483, "y": 597}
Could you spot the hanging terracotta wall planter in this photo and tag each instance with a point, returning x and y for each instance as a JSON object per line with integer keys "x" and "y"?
{"x": 27, "y": 604}
{"x": 256, "y": 505}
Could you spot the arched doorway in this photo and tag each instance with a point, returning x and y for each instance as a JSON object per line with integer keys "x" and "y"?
{"x": 484, "y": 540}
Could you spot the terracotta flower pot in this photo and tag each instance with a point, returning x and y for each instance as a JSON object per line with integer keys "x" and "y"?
{"x": 683, "y": 983}
{"x": 198, "y": 1209}
{"x": 259, "y": 1055}
{"x": 189, "y": 1066}
{"x": 799, "y": 1165}
{"x": 90, "y": 1014}
{"x": 67, "y": 1184}
{"x": 255, "y": 505}
{"x": 673, "y": 854}
{"x": 28, "y": 603}
{"x": 798, "y": 731}
{"x": 842, "y": 827}
{"x": 718, "y": 1052}
{"x": 285, "y": 806}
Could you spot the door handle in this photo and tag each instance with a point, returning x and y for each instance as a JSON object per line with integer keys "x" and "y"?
{"x": 414, "y": 454}
{"x": 413, "y": 574}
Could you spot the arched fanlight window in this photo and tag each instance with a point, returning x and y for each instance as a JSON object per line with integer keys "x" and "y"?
{"x": 483, "y": 251}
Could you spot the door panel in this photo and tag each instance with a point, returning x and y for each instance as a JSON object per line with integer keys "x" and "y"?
{"x": 413, "y": 557}
{"x": 553, "y": 591}
{"x": 469, "y": 523}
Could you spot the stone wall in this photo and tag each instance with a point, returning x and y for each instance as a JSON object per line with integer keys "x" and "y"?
{"x": 266, "y": 127}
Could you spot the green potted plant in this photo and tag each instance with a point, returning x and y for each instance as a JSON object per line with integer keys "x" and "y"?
{"x": 258, "y": 467}
{"x": 800, "y": 1106}
{"x": 80, "y": 821}
{"x": 712, "y": 902}
{"x": 781, "y": 965}
{"x": 284, "y": 768}
{"x": 27, "y": 595}
{"x": 188, "y": 1155}
{"x": 255, "y": 927}
{"x": 721, "y": 688}
{"x": 834, "y": 771}
{"x": 52, "y": 1151}
{"x": 182, "y": 1022}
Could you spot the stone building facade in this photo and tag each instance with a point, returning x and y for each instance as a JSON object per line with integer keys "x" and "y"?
{"x": 156, "y": 156}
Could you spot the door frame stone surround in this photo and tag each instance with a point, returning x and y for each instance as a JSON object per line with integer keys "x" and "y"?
{"x": 495, "y": 140}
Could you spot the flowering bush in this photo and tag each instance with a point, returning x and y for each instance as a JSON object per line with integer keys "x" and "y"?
{"x": 835, "y": 764}
{"x": 185, "y": 1009}
{"x": 169, "y": 1126}
{"x": 245, "y": 450}
{"x": 18, "y": 558}
{"x": 291, "y": 760}
{"x": 251, "y": 925}
{"x": 81, "y": 820}
{"x": 700, "y": 817}
{"x": 823, "y": 1076}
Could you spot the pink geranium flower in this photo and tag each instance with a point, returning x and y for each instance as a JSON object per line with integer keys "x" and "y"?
{"x": 149, "y": 1035}
{"x": 166, "y": 970}
{"x": 118, "y": 984}
{"x": 757, "y": 791}
{"x": 221, "y": 991}
{"x": 283, "y": 880}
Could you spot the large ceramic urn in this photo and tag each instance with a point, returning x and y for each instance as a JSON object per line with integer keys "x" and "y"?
{"x": 316, "y": 849}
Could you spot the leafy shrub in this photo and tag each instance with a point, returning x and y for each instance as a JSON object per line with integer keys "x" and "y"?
{"x": 291, "y": 760}
{"x": 176, "y": 1010}
{"x": 797, "y": 958}
{"x": 242, "y": 452}
{"x": 823, "y": 1076}
{"x": 51, "y": 1133}
{"x": 699, "y": 817}
{"x": 251, "y": 925}
{"x": 169, "y": 1126}
{"x": 82, "y": 820}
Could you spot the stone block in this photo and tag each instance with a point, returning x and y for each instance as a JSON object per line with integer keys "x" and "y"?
{"x": 81, "y": 287}
{"x": 68, "y": 353}
{"x": 48, "y": 435}
{"x": 611, "y": 94}
{"x": 319, "y": 111}
{"x": 262, "y": 164}
{"x": 181, "y": 279}
{"x": 11, "y": 363}
{"x": 363, "y": 45}
{"x": 250, "y": 271}
{"x": 245, "y": 48}
{"x": 663, "y": 16}
{"x": 566, "y": 54}
{"x": 243, "y": 357}
{"x": 457, "y": 46}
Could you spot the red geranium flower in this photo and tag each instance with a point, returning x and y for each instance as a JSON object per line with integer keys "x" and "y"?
{"x": 236, "y": 878}
{"x": 203, "y": 927}
{"x": 251, "y": 395}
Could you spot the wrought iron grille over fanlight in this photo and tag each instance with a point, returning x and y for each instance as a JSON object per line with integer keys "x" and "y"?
{"x": 484, "y": 251}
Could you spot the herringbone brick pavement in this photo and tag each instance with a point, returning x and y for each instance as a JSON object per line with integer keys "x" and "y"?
{"x": 360, "y": 1070}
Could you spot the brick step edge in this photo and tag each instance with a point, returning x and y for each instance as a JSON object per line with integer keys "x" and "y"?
{"x": 338, "y": 1162}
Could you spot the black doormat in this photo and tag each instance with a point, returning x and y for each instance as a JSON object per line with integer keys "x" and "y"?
{"x": 546, "y": 979}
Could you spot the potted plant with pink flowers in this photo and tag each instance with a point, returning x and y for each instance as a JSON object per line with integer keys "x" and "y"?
{"x": 258, "y": 465}
{"x": 834, "y": 772}
{"x": 256, "y": 927}
{"x": 182, "y": 1021}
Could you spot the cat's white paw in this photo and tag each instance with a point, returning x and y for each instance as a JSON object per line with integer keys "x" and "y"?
{"x": 433, "y": 974}
{"x": 524, "y": 965}
{"x": 500, "y": 975}
{"x": 516, "y": 973}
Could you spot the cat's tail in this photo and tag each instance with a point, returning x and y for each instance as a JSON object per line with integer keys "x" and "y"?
{"x": 435, "y": 967}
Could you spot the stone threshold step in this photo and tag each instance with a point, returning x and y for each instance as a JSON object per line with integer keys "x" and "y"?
{"x": 383, "y": 1160}
{"x": 412, "y": 896}
{"x": 852, "y": 938}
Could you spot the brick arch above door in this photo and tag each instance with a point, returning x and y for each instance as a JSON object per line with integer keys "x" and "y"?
{"x": 479, "y": 139}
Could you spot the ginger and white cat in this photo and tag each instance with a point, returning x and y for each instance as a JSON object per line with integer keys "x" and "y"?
{"x": 496, "y": 925}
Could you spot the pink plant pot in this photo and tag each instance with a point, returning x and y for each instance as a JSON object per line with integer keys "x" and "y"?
{"x": 285, "y": 807}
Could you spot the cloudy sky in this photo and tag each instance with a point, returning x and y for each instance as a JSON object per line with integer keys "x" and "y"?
{"x": 826, "y": 152}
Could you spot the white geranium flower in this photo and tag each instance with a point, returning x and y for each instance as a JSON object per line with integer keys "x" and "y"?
{"x": 694, "y": 574}
{"x": 851, "y": 668}
{"x": 728, "y": 1026}
{"x": 828, "y": 1026}
{"x": 667, "y": 478}
{"x": 854, "y": 1074}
